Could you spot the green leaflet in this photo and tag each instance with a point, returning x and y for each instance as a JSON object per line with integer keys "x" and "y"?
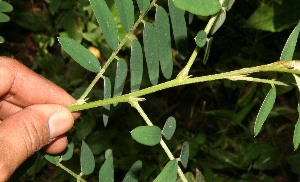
{"x": 5, "y": 7}
{"x": 296, "y": 138}
{"x": 169, "y": 128}
{"x": 207, "y": 50}
{"x": 219, "y": 21}
{"x": 265, "y": 110}
{"x": 143, "y": 5}
{"x": 1, "y": 39}
{"x": 162, "y": 27}
{"x": 169, "y": 173}
{"x": 87, "y": 160}
{"x": 199, "y": 7}
{"x": 151, "y": 52}
{"x": 4, "y": 18}
{"x": 80, "y": 54}
{"x": 106, "y": 172}
{"x": 184, "y": 156}
{"x": 54, "y": 159}
{"x": 106, "y": 95}
{"x": 179, "y": 28}
{"x": 289, "y": 47}
{"x": 229, "y": 4}
{"x": 200, "y": 39}
{"x": 68, "y": 152}
{"x": 275, "y": 17}
{"x": 133, "y": 174}
{"x": 147, "y": 135}
{"x": 106, "y": 22}
{"x": 136, "y": 65}
{"x": 120, "y": 78}
{"x": 287, "y": 54}
{"x": 297, "y": 79}
{"x": 126, "y": 13}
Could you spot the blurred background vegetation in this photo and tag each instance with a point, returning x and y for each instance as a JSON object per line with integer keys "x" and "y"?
{"x": 216, "y": 118}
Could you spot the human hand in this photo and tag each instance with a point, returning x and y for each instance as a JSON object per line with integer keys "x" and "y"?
{"x": 33, "y": 115}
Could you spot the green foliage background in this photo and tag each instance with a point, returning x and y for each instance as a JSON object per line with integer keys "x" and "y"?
{"x": 216, "y": 118}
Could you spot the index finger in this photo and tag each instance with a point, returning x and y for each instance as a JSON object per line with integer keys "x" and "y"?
{"x": 23, "y": 87}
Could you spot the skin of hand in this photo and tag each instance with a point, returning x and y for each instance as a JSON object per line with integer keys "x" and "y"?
{"x": 33, "y": 115}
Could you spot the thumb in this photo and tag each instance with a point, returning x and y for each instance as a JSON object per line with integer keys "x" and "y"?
{"x": 29, "y": 130}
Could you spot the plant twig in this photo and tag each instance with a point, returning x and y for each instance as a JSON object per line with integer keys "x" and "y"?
{"x": 184, "y": 73}
{"x": 114, "y": 54}
{"x": 78, "y": 177}
{"x": 280, "y": 66}
{"x": 134, "y": 103}
{"x": 251, "y": 79}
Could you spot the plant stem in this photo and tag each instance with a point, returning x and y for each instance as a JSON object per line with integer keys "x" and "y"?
{"x": 183, "y": 74}
{"x": 280, "y": 66}
{"x": 251, "y": 79}
{"x": 137, "y": 106}
{"x": 171, "y": 157}
{"x": 70, "y": 172}
{"x": 114, "y": 54}
{"x": 134, "y": 103}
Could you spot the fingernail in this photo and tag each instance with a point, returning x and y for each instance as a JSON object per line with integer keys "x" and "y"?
{"x": 59, "y": 123}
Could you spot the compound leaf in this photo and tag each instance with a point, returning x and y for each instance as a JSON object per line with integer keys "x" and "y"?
{"x": 136, "y": 65}
{"x": 289, "y": 47}
{"x": 169, "y": 173}
{"x": 143, "y": 5}
{"x": 151, "y": 52}
{"x": 106, "y": 95}
{"x": 5, "y": 7}
{"x": 200, "y": 39}
{"x": 87, "y": 160}
{"x": 296, "y": 138}
{"x": 133, "y": 174}
{"x": 169, "y": 128}
{"x": 126, "y": 13}
{"x": 265, "y": 110}
{"x": 162, "y": 26}
{"x": 80, "y": 54}
{"x": 106, "y": 22}
{"x": 184, "y": 156}
{"x": 106, "y": 172}
{"x": 120, "y": 78}
{"x": 179, "y": 28}
{"x": 199, "y": 7}
{"x": 147, "y": 135}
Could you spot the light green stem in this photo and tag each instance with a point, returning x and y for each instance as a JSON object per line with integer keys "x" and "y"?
{"x": 259, "y": 80}
{"x": 134, "y": 103}
{"x": 280, "y": 66}
{"x": 183, "y": 74}
{"x": 114, "y": 54}
{"x": 78, "y": 177}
